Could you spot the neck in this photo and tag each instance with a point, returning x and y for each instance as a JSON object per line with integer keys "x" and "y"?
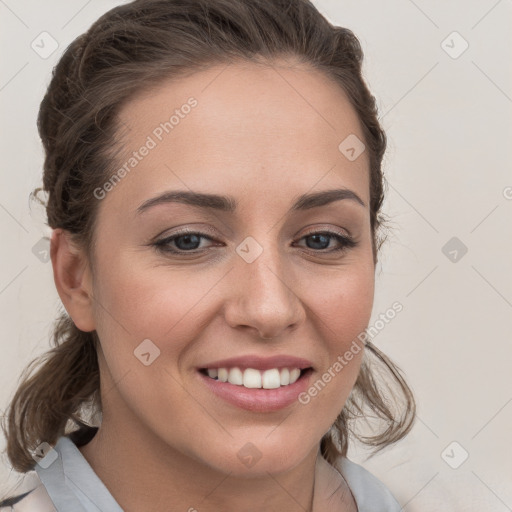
{"x": 146, "y": 474}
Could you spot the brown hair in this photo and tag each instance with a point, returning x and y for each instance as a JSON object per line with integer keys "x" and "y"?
{"x": 128, "y": 49}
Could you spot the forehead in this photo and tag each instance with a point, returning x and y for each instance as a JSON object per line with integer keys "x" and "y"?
{"x": 258, "y": 128}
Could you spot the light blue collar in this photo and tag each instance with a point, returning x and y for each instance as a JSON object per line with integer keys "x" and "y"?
{"x": 71, "y": 482}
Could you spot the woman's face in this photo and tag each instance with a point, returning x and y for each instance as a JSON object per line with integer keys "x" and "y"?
{"x": 263, "y": 137}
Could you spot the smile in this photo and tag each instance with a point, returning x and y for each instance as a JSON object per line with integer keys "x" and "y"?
{"x": 253, "y": 379}
{"x": 259, "y": 391}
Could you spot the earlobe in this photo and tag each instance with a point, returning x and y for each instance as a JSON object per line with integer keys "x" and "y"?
{"x": 71, "y": 274}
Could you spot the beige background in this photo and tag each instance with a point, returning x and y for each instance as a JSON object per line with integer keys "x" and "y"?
{"x": 449, "y": 126}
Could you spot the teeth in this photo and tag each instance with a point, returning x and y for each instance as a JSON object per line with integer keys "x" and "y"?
{"x": 271, "y": 379}
{"x": 253, "y": 379}
{"x": 294, "y": 375}
{"x": 223, "y": 374}
{"x": 235, "y": 376}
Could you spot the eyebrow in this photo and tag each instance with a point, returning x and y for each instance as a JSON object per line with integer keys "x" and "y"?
{"x": 229, "y": 204}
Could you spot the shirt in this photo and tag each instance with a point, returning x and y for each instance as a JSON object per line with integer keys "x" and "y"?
{"x": 63, "y": 481}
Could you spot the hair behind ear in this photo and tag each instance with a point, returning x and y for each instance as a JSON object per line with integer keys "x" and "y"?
{"x": 47, "y": 398}
{"x": 381, "y": 393}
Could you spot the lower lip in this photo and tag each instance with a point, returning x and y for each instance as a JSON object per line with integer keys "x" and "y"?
{"x": 259, "y": 399}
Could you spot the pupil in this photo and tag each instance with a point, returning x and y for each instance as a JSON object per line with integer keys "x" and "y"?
{"x": 316, "y": 237}
{"x": 195, "y": 239}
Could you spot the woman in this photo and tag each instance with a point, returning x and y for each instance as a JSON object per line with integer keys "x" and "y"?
{"x": 214, "y": 184}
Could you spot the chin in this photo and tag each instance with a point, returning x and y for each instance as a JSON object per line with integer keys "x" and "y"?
{"x": 248, "y": 459}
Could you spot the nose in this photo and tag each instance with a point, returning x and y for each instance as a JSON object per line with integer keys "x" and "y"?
{"x": 261, "y": 297}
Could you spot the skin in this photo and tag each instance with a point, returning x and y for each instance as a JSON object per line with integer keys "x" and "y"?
{"x": 264, "y": 134}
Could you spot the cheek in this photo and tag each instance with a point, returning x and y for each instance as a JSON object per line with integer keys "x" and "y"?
{"x": 159, "y": 302}
{"x": 343, "y": 304}
{"x": 343, "y": 311}
{"x": 164, "y": 306}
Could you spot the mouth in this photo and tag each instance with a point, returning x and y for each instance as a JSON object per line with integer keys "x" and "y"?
{"x": 255, "y": 390}
{"x": 252, "y": 378}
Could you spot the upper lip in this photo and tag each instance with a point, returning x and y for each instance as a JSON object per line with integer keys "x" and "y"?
{"x": 260, "y": 363}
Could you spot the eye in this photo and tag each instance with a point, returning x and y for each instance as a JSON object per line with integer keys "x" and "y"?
{"x": 321, "y": 240}
{"x": 185, "y": 241}
{"x": 189, "y": 242}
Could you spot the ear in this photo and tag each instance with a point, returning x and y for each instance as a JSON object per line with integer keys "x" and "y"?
{"x": 73, "y": 279}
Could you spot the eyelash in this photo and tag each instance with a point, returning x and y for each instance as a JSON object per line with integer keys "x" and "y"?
{"x": 162, "y": 245}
